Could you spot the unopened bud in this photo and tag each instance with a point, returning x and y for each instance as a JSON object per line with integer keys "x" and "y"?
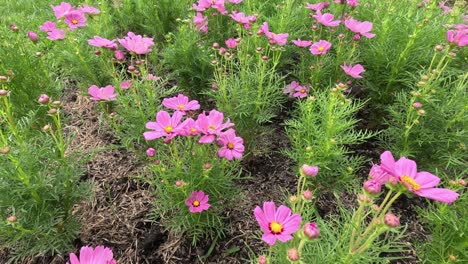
{"x": 262, "y": 259}
{"x": 452, "y": 54}
{"x": 179, "y": 183}
{"x": 341, "y": 35}
{"x": 264, "y": 57}
{"x": 46, "y": 128}
{"x": 391, "y": 220}
{"x": 421, "y": 83}
{"x": 5, "y": 150}
{"x": 33, "y": 36}
{"x": 216, "y": 45}
{"x": 462, "y": 182}
{"x": 439, "y": 47}
{"x": 213, "y": 62}
{"x": 52, "y": 111}
{"x": 421, "y": 112}
{"x": 222, "y": 51}
{"x": 157, "y": 162}
{"x": 12, "y": 219}
{"x": 311, "y": 230}
{"x": 131, "y": 68}
{"x": 417, "y": 105}
{"x": 3, "y": 92}
{"x": 43, "y": 99}
{"x": 309, "y": 171}
{"x": 56, "y": 103}
{"x": 150, "y": 152}
{"x": 293, "y": 198}
{"x": 452, "y": 258}
{"x": 308, "y": 148}
{"x": 307, "y": 195}
{"x": 207, "y": 166}
{"x": 375, "y": 207}
{"x": 424, "y": 77}
{"x": 293, "y": 254}
{"x": 372, "y": 187}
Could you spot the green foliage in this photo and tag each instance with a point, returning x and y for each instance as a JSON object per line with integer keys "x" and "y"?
{"x": 321, "y": 131}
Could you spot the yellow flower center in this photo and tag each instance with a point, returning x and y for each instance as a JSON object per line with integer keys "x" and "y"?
{"x": 74, "y": 21}
{"x": 321, "y": 48}
{"x": 193, "y": 130}
{"x": 211, "y": 127}
{"x": 276, "y": 228}
{"x": 168, "y": 129}
{"x": 230, "y": 145}
{"x": 196, "y": 203}
{"x": 181, "y": 106}
{"x": 410, "y": 182}
{"x": 303, "y": 91}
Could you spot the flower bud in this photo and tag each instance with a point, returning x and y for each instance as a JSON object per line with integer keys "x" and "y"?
{"x": 421, "y": 112}
{"x": 222, "y": 51}
{"x": 119, "y": 55}
{"x": 424, "y": 77}
{"x": 391, "y": 220}
{"x": 293, "y": 198}
{"x": 43, "y": 99}
{"x": 311, "y": 230}
{"x": 3, "y": 92}
{"x": 213, "y": 62}
{"x": 452, "y": 258}
{"x": 207, "y": 166}
{"x": 308, "y": 148}
{"x": 262, "y": 259}
{"x": 462, "y": 182}
{"x": 52, "y": 111}
{"x": 375, "y": 207}
{"x": 179, "y": 183}
{"x": 310, "y": 171}
{"x": 150, "y": 152}
{"x": 216, "y": 45}
{"x": 138, "y": 62}
{"x": 131, "y": 68}
{"x": 421, "y": 83}
{"x": 157, "y": 162}
{"x": 307, "y": 195}
{"x": 12, "y": 219}
{"x": 214, "y": 86}
{"x": 439, "y": 47}
{"x": 13, "y": 27}
{"x": 314, "y": 27}
{"x": 97, "y": 52}
{"x": 417, "y": 105}
{"x": 264, "y": 57}
{"x": 372, "y": 187}
{"x": 33, "y": 36}
{"x": 46, "y": 128}
{"x": 5, "y": 150}
{"x": 341, "y": 35}
{"x": 293, "y": 254}
{"x": 56, "y": 103}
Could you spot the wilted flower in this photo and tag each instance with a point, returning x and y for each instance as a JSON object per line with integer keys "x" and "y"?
{"x": 276, "y": 224}
{"x": 89, "y": 10}
{"x": 318, "y": 6}
{"x": 126, "y": 84}
{"x": 48, "y": 26}
{"x": 198, "y": 202}
{"x": 279, "y": 39}
{"x": 201, "y": 22}
{"x": 88, "y": 255}
{"x": 56, "y": 34}
{"x": 119, "y": 55}
{"x": 241, "y": 18}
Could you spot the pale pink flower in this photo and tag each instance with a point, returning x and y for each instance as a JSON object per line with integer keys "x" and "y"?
{"x": 318, "y": 6}
{"x": 290, "y": 89}
{"x": 48, "y": 26}
{"x": 206, "y": 4}
{"x": 361, "y": 28}
{"x": 241, "y": 18}
{"x": 320, "y": 47}
{"x": 211, "y": 125}
{"x": 231, "y": 145}
{"x": 352, "y": 3}
{"x": 165, "y": 126}
{"x": 235, "y": 1}
{"x": 201, "y": 22}
{"x": 302, "y": 43}
{"x": 126, "y": 84}
{"x": 56, "y": 34}
{"x": 136, "y": 43}
{"x": 353, "y": 70}
{"x": 119, "y": 55}
{"x": 231, "y": 43}
{"x": 445, "y": 9}
{"x": 102, "y": 94}
{"x": 189, "y": 128}
{"x": 301, "y": 91}
{"x": 198, "y": 202}
{"x": 181, "y": 103}
{"x": 98, "y": 41}
{"x": 458, "y": 37}
{"x": 89, "y": 255}
{"x": 151, "y": 77}
{"x": 89, "y": 10}
{"x": 280, "y": 39}
{"x": 327, "y": 19}
{"x": 62, "y": 9}
{"x": 277, "y": 224}
{"x": 75, "y": 19}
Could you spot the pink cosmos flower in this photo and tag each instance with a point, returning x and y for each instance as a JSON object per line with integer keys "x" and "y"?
{"x": 165, "y": 126}
{"x": 56, "y": 34}
{"x": 241, "y": 18}
{"x": 198, "y": 202}
{"x": 89, "y": 10}
{"x": 206, "y": 4}
{"x": 126, "y": 84}
{"x": 458, "y": 37}
{"x": 189, "y": 128}
{"x": 232, "y": 146}
{"x": 62, "y": 9}
{"x": 151, "y": 77}
{"x": 352, "y": 3}
{"x": 119, "y": 55}
{"x": 201, "y": 22}
{"x": 231, "y": 43}
{"x": 75, "y": 19}
{"x": 88, "y": 255}
{"x": 420, "y": 183}
{"x": 326, "y": 19}
{"x": 302, "y": 43}
{"x": 98, "y": 41}
{"x": 280, "y": 39}
{"x": 444, "y": 8}
{"x": 353, "y": 71}
{"x": 361, "y": 28}
{"x": 181, "y": 103}
{"x": 318, "y": 6}
{"x": 211, "y": 125}
{"x": 320, "y": 47}
{"x": 102, "y": 94}
{"x": 235, "y": 1}
{"x": 48, "y": 26}
{"x": 136, "y": 43}
{"x": 301, "y": 91}
{"x": 290, "y": 89}
{"x": 277, "y": 224}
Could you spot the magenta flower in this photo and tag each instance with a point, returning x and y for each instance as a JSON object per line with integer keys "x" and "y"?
{"x": 56, "y": 34}
{"x": 311, "y": 230}
{"x": 48, "y": 26}
{"x": 302, "y": 43}
{"x": 33, "y": 36}
{"x": 320, "y": 47}
{"x": 420, "y": 183}
{"x": 198, "y": 202}
{"x": 309, "y": 171}
{"x": 165, "y": 126}
{"x": 89, "y": 10}
{"x": 232, "y": 146}
{"x": 458, "y": 37}
{"x": 181, "y": 103}
{"x": 353, "y": 71}
{"x": 98, "y": 41}
{"x": 126, "y": 84}
{"x": 290, "y": 89}
{"x": 136, "y": 43}
{"x": 280, "y": 39}
{"x": 189, "y": 128}
{"x": 318, "y": 6}
{"x": 88, "y": 255}
{"x": 241, "y": 18}
{"x": 360, "y": 28}
{"x": 205, "y": 4}
{"x": 211, "y": 125}
{"x": 301, "y": 91}
{"x": 277, "y": 224}
{"x": 75, "y": 19}
{"x": 352, "y": 3}
{"x": 326, "y": 19}
{"x": 231, "y": 43}
{"x": 201, "y": 22}
{"x": 119, "y": 55}
{"x": 150, "y": 152}
{"x": 62, "y": 9}
{"x": 102, "y": 94}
